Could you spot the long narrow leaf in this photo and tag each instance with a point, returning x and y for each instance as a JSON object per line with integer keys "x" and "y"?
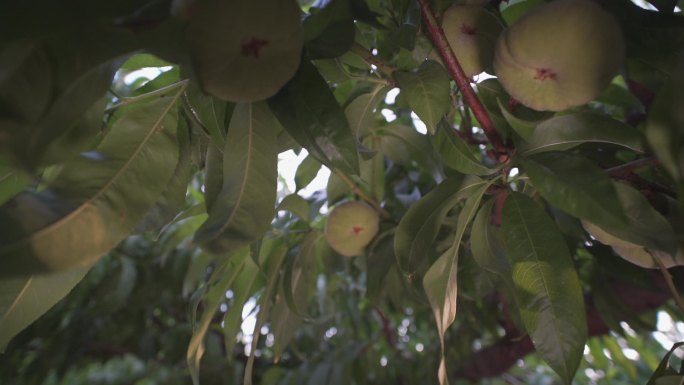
{"x": 23, "y": 300}
{"x": 245, "y": 206}
{"x": 104, "y": 193}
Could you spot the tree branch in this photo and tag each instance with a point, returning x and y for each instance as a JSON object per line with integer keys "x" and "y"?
{"x": 456, "y": 71}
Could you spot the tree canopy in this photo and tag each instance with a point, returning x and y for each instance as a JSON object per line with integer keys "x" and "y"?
{"x": 524, "y": 224}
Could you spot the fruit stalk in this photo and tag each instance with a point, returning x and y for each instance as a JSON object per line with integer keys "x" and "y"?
{"x": 456, "y": 71}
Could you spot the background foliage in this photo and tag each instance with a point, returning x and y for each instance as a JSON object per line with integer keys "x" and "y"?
{"x": 546, "y": 246}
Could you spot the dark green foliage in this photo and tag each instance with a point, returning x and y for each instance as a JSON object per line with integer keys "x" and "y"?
{"x": 142, "y": 215}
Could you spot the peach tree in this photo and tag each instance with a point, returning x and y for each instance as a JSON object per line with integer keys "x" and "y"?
{"x": 508, "y": 172}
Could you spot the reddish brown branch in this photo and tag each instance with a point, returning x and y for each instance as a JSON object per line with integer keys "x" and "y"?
{"x": 387, "y": 329}
{"x": 456, "y": 71}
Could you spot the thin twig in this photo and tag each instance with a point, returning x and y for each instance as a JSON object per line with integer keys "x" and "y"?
{"x": 456, "y": 71}
{"x": 670, "y": 284}
{"x": 628, "y": 168}
{"x": 368, "y": 56}
{"x": 362, "y": 194}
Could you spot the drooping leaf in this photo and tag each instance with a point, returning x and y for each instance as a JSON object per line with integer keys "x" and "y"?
{"x": 210, "y": 112}
{"x": 418, "y": 228}
{"x": 576, "y": 185}
{"x": 23, "y": 300}
{"x": 272, "y": 261}
{"x": 220, "y": 282}
{"x": 213, "y": 175}
{"x": 360, "y": 112}
{"x": 663, "y": 130}
{"x": 665, "y": 368}
{"x": 172, "y": 200}
{"x": 380, "y": 261}
{"x": 548, "y": 290}
{"x": 12, "y": 181}
{"x": 456, "y": 154}
{"x": 244, "y": 208}
{"x": 306, "y": 172}
{"x": 405, "y": 146}
{"x": 296, "y": 290}
{"x": 104, "y": 193}
{"x": 486, "y": 246}
{"x": 648, "y": 236}
{"x": 246, "y": 284}
{"x": 427, "y": 91}
{"x": 567, "y": 131}
{"x": 309, "y": 112}
{"x": 295, "y": 204}
{"x": 523, "y": 127}
{"x": 329, "y": 32}
{"x": 440, "y": 281}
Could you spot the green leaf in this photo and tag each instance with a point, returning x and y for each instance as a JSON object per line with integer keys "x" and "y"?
{"x": 663, "y": 130}
{"x": 329, "y": 32}
{"x": 486, "y": 246}
{"x": 361, "y": 111}
{"x": 405, "y": 146}
{"x": 523, "y": 127}
{"x": 428, "y": 92}
{"x": 272, "y": 261}
{"x": 296, "y": 291}
{"x": 296, "y": 205}
{"x": 213, "y": 175}
{"x": 567, "y": 131}
{"x": 309, "y": 112}
{"x": 23, "y": 300}
{"x": 665, "y": 368}
{"x": 440, "y": 281}
{"x": 245, "y": 206}
{"x": 220, "y": 282}
{"x": 104, "y": 193}
{"x": 548, "y": 290}
{"x": 245, "y": 286}
{"x": 210, "y": 112}
{"x": 574, "y": 184}
{"x": 172, "y": 200}
{"x": 457, "y": 155}
{"x": 306, "y": 172}
{"x": 380, "y": 260}
{"x": 418, "y": 228}
{"x": 143, "y": 60}
{"x": 300, "y": 274}
{"x": 11, "y": 182}
{"x": 647, "y": 229}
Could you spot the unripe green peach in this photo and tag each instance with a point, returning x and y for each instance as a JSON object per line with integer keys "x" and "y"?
{"x": 560, "y": 55}
{"x": 242, "y": 50}
{"x": 350, "y": 228}
{"x": 471, "y": 31}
